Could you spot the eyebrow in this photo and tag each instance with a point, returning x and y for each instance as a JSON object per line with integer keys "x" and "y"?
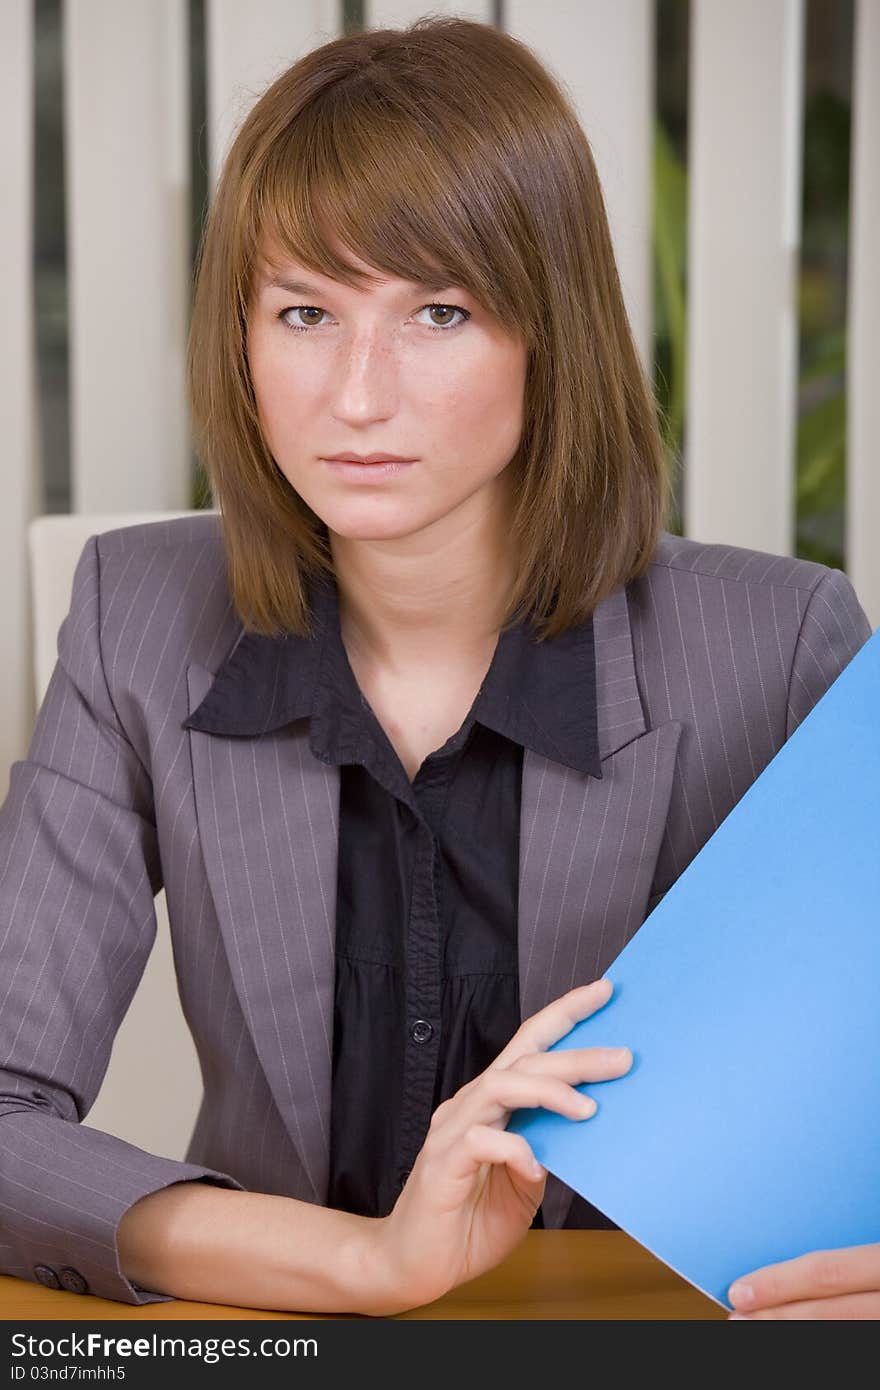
{"x": 299, "y": 287}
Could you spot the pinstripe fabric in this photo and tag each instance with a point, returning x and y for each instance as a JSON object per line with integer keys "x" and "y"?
{"x": 704, "y": 666}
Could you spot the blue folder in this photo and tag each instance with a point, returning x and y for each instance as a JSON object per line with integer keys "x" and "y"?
{"x": 748, "y": 1129}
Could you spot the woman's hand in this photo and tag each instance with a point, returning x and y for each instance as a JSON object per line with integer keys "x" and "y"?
{"x": 474, "y": 1188}
{"x": 838, "y": 1284}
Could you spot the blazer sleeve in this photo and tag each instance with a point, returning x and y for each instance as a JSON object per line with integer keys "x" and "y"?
{"x": 833, "y": 628}
{"x": 79, "y": 868}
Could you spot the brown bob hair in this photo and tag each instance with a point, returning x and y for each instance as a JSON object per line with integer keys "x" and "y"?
{"x": 443, "y": 152}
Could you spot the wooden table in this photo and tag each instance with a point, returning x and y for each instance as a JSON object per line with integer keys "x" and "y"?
{"x": 552, "y": 1274}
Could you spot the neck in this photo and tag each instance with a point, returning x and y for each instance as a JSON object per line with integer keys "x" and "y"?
{"x": 427, "y": 598}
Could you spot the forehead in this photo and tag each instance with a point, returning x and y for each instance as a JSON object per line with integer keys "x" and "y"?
{"x": 276, "y": 267}
{"x": 272, "y": 260}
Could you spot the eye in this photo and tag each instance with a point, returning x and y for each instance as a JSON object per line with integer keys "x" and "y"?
{"x": 446, "y": 309}
{"x": 296, "y": 309}
{"x": 313, "y": 309}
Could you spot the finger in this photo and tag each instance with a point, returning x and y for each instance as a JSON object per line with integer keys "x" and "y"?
{"x": 496, "y": 1094}
{"x": 820, "y": 1274}
{"x": 577, "y": 1064}
{"x": 481, "y": 1144}
{"x": 850, "y": 1307}
{"x": 550, "y": 1024}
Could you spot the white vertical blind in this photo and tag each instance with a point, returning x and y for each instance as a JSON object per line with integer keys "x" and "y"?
{"x": 603, "y": 52}
{"x": 397, "y": 14}
{"x": 863, "y": 291}
{"x": 744, "y": 203}
{"x": 249, "y": 45}
{"x": 17, "y": 377}
{"x": 126, "y": 132}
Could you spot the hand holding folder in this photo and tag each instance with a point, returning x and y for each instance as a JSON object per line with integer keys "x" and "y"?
{"x": 748, "y": 1131}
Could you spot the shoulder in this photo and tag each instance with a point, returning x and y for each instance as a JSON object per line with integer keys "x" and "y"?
{"x": 162, "y": 592}
{"x": 141, "y": 546}
{"x": 714, "y": 565}
{"x": 688, "y": 578}
{"x": 775, "y": 628}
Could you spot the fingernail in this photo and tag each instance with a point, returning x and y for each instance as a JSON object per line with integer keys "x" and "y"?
{"x": 743, "y": 1317}
{"x": 741, "y": 1295}
{"x": 588, "y": 1105}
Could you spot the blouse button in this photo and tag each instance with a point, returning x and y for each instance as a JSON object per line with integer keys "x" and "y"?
{"x": 421, "y": 1031}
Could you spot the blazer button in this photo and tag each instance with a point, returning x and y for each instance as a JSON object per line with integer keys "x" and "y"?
{"x": 421, "y": 1031}
{"x": 72, "y": 1280}
{"x": 45, "y": 1275}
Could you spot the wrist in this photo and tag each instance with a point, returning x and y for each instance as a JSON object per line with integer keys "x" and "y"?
{"x": 402, "y": 1272}
{"x": 372, "y": 1269}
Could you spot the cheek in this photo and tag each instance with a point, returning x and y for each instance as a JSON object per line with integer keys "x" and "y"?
{"x": 279, "y": 403}
{"x": 488, "y": 405}
{"x": 267, "y": 375}
{"x": 485, "y": 381}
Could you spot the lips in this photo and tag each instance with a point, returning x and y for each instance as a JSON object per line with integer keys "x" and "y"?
{"x": 367, "y": 458}
{"x": 355, "y": 470}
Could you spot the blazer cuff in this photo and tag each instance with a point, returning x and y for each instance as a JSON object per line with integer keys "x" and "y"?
{"x": 70, "y": 1186}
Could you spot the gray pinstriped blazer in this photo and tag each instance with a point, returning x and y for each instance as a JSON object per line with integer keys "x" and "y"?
{"x": 705, "y": 665}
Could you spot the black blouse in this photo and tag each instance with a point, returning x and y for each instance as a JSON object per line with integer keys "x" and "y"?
{"x": 427, "y": 980}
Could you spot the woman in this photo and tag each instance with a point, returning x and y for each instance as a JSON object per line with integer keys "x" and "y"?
{"x": 413, "y": 746}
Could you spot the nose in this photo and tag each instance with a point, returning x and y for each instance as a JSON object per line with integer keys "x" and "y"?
{"x": 366, "y": 378}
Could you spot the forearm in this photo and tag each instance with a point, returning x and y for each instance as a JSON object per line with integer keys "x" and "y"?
{"x": 252, "y": 1250}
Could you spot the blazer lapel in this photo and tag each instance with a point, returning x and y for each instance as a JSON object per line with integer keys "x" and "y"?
{"x": 588, "y": 846}
{"x": 268, "y": 814}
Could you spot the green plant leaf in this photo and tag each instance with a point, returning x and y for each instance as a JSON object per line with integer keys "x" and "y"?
{"x": 670, "y": 223}
{"x": 821, "y": 456}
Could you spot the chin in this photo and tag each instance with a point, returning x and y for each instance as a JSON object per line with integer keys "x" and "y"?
{"x": 375, "y": 532}
{"x": 361, "y": 526}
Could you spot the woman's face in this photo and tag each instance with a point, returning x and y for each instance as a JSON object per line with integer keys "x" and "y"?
{"x": 390, "y": 369}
